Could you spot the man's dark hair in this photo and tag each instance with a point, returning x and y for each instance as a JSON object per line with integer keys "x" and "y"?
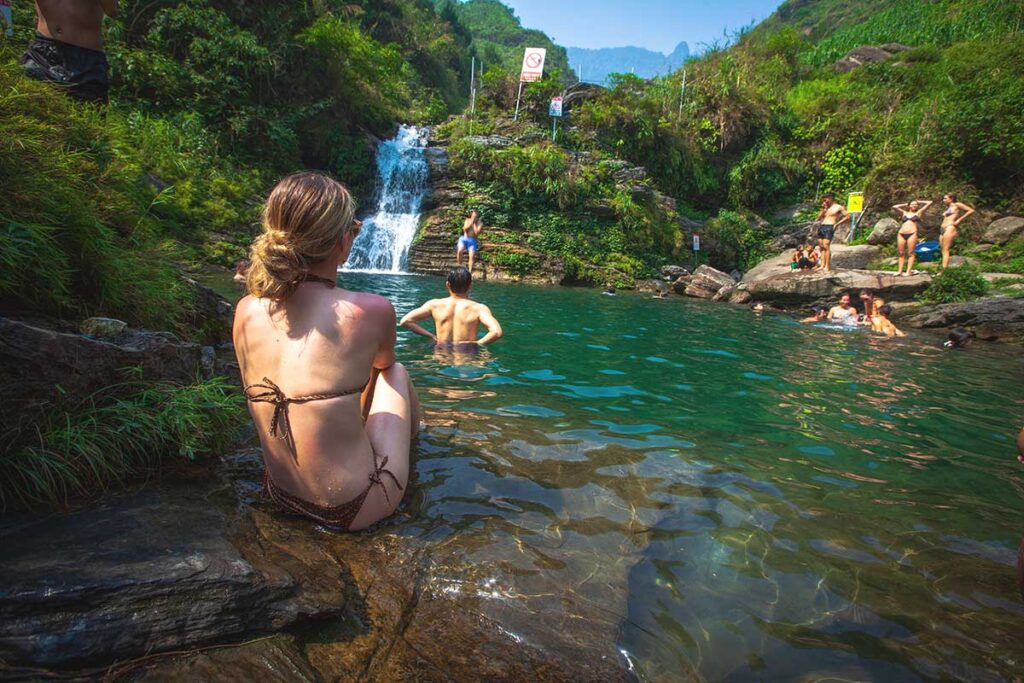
{"x": 885, "y": 309}
{"x": 460, "y": 279}
{"x": 817, "y": 309}
{"x": 829, "y": 195}
{"x": 959, "y": 337}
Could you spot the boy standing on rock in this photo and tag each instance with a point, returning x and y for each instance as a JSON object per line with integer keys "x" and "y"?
{"x": 456, "y": 317}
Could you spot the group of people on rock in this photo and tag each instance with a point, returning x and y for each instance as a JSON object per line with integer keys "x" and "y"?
{"x": 833, "y": 214}
{"x": 911, "y": 213}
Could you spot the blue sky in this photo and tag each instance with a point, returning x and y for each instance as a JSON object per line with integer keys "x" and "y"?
{"x": 655, "y": 24}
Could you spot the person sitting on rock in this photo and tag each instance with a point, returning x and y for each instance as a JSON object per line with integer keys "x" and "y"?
{"x": 471, "y": 229}
{"x": 843, "y": 313}
{"x": 335, "y": 413}
{"x": 880, "y": 322}
{"x": 456, "y": 317}
{"x": 832, "y": 215}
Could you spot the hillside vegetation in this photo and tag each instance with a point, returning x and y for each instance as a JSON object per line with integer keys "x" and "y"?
{"x": 768, "y": 122}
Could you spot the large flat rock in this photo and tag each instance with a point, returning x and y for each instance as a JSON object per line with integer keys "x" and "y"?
{"x": 793, "y": 288}
{"x": 843, "y": 257}
{"x": 206, "y": 564}
{"x": 143, "y": 573}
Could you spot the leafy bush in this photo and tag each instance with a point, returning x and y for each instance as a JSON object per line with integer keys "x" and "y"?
{"x": 80, "y": 449}
{"x": 954, "y": 285}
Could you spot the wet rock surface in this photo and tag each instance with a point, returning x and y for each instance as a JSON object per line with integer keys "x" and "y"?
{"x": 205, "y": 563}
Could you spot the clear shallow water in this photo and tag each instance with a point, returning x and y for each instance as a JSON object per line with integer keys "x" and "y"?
{"x": 722, "y": 495}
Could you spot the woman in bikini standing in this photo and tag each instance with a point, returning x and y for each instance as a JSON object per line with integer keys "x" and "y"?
{"x": 907, "y": 239}
{"x": 334, "y": 411}
{"x": 952, "y": 217}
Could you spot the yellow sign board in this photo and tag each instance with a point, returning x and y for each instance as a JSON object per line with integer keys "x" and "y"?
{"x": 855, "y": 204}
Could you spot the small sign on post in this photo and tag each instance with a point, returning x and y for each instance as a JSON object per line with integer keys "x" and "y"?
{"x": 696, "y": 242}
{"x": 855, "y": 205}
{"x": 555, "y": 111}
{"x": 533, "y": 70}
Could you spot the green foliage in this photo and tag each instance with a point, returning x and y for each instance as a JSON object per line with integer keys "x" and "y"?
{"x": 730, "y": 240}
{"x": 843, "y": 166}
{"x": 517, "y": 263}
{"x": 80, "y": 449}
{"x": 954, "y": 285}
{"x": 77, "y": 232}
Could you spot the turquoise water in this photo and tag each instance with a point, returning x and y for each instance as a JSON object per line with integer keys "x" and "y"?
{"x": 722, "y": 495}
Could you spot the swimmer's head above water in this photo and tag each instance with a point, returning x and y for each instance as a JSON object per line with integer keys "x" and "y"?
{"x": 959, "y": 338}
{"x": 459, "y": 281}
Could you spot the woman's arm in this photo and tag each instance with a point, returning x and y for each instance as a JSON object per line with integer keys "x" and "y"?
{"x": 898, "y": 207}
{"x": 385, "y": 356}
{"x": 967, "y": 212}
{"x": 924, "y": 207}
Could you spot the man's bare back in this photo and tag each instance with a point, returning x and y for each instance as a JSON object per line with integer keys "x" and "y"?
{"x": 76, "y": 22}
{"x": 457, "y": 318}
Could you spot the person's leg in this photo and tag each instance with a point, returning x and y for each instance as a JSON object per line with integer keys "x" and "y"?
{"x": 390, "y": 426}
{"x": 826, "y": 255}
{"x": 912, "y": 255}
{"x": 472, "y": 255}
{"x": 901, "y": 249}
{"x": 458, "y": 254}
{"x": 946, "y": 242}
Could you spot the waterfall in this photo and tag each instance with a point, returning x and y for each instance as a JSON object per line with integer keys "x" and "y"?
{"x": 402, "y": 174}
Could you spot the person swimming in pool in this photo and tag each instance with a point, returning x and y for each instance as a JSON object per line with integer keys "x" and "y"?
{"x": 817, "y": 315}
{"x": 907, "y": 238}
{"x": 843, "y": 313}
{"x": 456, "y": 317}
{"x": 880, "y": 322}
{"x": 832, "y": 215}
{"x": 471, "y": 229}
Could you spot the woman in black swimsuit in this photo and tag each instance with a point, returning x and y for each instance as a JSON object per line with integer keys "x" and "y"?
{"x": 907, "y": 239}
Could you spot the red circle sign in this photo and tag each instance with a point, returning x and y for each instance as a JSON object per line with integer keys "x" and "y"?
{"x": 533, "y": 60}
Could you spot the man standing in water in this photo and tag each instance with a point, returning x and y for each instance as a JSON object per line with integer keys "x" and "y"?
{"x": 456, "y": 317}
{"x": 832, "y": 215}
{"x": 68, "y": 47}
{"x": 471, "y": 228}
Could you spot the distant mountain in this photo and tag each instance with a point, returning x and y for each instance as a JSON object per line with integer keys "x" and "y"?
{"x": 598, "y": 64}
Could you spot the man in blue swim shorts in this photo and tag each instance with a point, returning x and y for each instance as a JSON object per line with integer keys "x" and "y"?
{"x": 471, "y": 229}
{"x": 832, "y": 215}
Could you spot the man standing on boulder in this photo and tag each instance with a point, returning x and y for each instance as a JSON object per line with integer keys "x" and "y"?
{"x": 831, "y": 216}
{"x": 68, "y": 47}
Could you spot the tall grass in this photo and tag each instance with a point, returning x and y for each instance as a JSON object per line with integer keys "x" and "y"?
{"x": 912, "y": 22}
{"x": 76, "y": 234}
{"x": 75, "y": 449}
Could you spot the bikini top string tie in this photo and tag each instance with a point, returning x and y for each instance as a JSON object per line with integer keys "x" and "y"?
{"x": 272, "y": 394}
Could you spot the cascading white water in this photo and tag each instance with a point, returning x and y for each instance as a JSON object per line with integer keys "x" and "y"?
{"x": 402, "y": 174}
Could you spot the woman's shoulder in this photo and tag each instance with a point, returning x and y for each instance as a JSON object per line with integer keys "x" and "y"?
{"x": 373, "y": 304}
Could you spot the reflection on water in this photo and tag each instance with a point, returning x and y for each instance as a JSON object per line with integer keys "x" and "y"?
{"x": 723, "y": 495}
